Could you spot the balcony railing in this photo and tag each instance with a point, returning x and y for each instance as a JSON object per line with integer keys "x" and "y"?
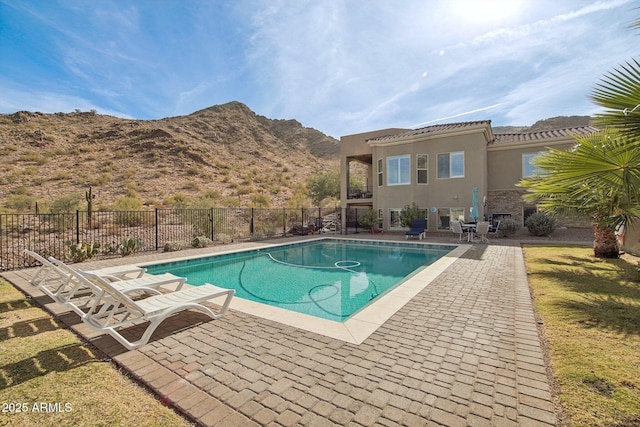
{"x": 359, "y": 193}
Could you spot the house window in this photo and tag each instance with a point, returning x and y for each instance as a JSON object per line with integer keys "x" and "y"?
{"x": 395, "y": 219}
{"x": 446, "y": 215}
{"x": 380, "y": 181}
{"x": 422, "y": 169}
{"x": 398, "y": 172}
{"x": 528, "y": 169}
{"x": 380, "y": 219}
{"x": 451, "y": 165}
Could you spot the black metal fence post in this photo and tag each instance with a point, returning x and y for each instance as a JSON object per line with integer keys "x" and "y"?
{"x": 77, "y": 226}
{"x": 211, "y": 221}
{"x": 156, "y": 228}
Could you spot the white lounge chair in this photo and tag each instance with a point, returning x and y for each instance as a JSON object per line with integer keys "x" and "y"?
{"x": 48, "y": 272}
{"x": 123, "y": 311}
{"x": 62, "y": 283}
{"x": 79, "y": 295}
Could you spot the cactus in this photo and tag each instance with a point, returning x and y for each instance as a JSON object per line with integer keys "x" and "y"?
{"x": 89, "y": 197}
{"x": 130, "y": 246}
{"x": 79, "y": 252}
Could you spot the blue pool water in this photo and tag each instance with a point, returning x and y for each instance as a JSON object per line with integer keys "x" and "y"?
{"x": 331, "y": 279}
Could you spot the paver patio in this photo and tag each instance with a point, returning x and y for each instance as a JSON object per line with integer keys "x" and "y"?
{"x": 464, "y": 352}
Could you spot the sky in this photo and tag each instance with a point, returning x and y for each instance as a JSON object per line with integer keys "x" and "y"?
{"x": 339, "y": 66}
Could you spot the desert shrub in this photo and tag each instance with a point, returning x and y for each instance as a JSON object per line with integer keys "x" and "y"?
{"x": 102, "y": 179}
{"x": 540, "y": 224}
{"x": 242, "y": 190}
{"x": 260, "y": 200}
{"x": 508, "y": 227}
{"x": 174, "y": 246}
{"x": 129, "y": 173}
{"x": 60, "y": 175}
{"x": 177, "y": 200}
{"x": 212, "y": 194}
{"x": 33, "y": 157}
{"x": 67, "y": 203}
{"x": 21, "y": 202}
{"x": 127, "y": 203}
{"x": 124, "y": 206}
{"x": 201, "y": 242}
{"x": 191, "y": 185}
{"x": 20, "y": 190}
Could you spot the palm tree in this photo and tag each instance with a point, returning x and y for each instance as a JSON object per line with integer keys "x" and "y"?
{"x": 599, "y": 178}
{"x": 619, "y": 94}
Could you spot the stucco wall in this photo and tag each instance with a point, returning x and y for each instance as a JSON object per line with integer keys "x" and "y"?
{"x": 439, "y": 193}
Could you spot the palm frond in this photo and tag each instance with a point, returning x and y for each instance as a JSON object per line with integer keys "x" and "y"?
{"x": 619, "y": 93}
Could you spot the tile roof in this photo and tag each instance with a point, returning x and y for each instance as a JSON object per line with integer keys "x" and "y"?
{"x": 540, "y": 136}
{"x": 431, "y": 129}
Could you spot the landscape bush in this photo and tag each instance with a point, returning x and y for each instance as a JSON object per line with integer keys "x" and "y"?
{"x": 369, "y": 219}
{"x": 201, "y": 242}
{"x": 540, "y": 224}
{"x": 508, "y": 227}
{"x": 174, "y": 246}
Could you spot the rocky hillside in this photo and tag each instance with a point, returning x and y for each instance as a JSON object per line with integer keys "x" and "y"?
{"x": 226, "y": 154}
{"x": 560, "y": 122}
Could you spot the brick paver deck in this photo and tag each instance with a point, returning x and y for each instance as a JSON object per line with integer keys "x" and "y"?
{"x": 464, "y": 352}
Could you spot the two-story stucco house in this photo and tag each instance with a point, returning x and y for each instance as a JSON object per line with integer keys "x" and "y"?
{"x": 451, "y": 171}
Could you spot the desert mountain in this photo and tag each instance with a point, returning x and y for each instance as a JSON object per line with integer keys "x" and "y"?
{"x": 226, "y": 153}
{"x": 559, "y": 122}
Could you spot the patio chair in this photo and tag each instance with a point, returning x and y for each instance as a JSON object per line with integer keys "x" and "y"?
{"x": 494, "y": 229}
{"x": 56, "y": 282}
{"x": 418, "y": 227}
{"x": 482, "y": 228}
{"x": 48, "y": 271}
{"x": 456, "y": 227}
{"x": 79, "y": 295}
{"x": 120, "y": 311}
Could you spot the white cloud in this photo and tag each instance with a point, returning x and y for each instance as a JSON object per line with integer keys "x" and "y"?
{"x": 334, "y": 65}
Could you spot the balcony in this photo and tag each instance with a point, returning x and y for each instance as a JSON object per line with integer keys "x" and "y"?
{"x": 359, "y": 193}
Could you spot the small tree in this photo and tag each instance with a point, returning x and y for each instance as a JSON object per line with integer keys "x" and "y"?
{"x": 323, "y": 185}
{"x": 409, "y": 213}
{"x": 369, "y": 219}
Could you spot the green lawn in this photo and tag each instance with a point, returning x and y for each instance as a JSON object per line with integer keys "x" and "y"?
{"x": 591, "y": 313}
{"x": 48, "y": 375}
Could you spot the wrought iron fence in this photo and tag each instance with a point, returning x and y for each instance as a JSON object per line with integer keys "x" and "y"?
{"x": 48, "y": 234}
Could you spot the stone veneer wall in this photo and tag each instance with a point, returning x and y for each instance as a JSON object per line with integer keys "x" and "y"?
{"x": 506, "y": 201}
{"x": 511, "y": 201}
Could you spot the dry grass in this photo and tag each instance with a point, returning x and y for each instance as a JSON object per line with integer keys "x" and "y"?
{"x": 591, "y": 313}
{"x": 43, "y": 363}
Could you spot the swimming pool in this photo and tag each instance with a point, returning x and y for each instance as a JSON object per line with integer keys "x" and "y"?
{"x": 328, "y": 278}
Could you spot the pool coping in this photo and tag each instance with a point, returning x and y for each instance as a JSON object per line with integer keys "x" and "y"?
{"x": 366, "y": 321}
